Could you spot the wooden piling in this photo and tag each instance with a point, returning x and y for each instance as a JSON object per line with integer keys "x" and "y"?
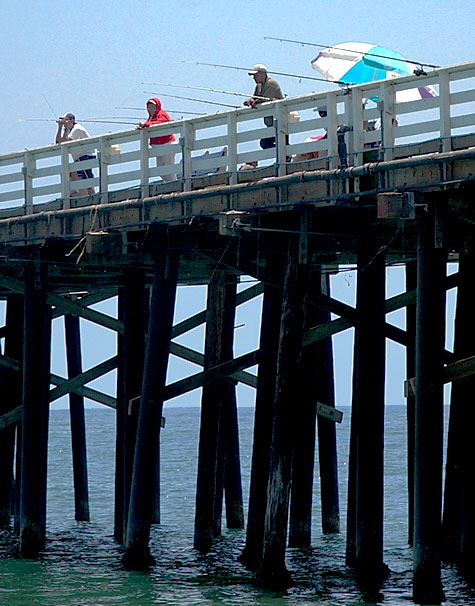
{"x": 369, "y": 393}
{"x": 35, "y": 399}
{"x": 120, "y": 522}
{"x": 134, "y": 310}
{"x": 232, "y": 474}
{"x": 251, "y": 556}
{"x": 272, "y": 571}
{"x": 327, "y": 443}
{"x": 430, "y": 344}
{"x": 458, "y": 516}
{"x": 77, "y": 418}
{"x": 137, "y": 551}
{"x": 10, "y": 380}
{"x": 217, "y": 396}
{"x": 317, "y": 372}
{"x": 411, "y": 284}
{"x": 229, "y": 428}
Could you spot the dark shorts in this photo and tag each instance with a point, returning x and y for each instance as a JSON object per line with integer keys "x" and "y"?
{"x": 87, "y": 173}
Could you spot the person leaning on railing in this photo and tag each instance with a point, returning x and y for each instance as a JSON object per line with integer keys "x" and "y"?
{"x": 266, "y": 89}
{"x": 70, "y": 130}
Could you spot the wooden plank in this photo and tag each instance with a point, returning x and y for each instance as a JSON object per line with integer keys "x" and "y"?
{"x": 80, "y": 380}
{"x": 12, "y": 416}
{"x": 199, "y": 379}
{"x": 452, "y": 372}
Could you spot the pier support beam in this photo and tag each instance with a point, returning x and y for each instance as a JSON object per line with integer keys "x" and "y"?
{"x": 411, "y": 284}
{"x": 78, "y": 424}
{"x": 137, "y": 551}
{"x": 133, "y": 312}
{"x": 273, "y": 572}
{"x": 218, "y": 404}
{"x": 262, "y": 438}
{"x": 458, "y": 540}
{"x": 370, "y": 355}
{"x": 327, "y": 444}
{"x": 229, "y": 429}
{"x": 36, "y": 381}
{"x": 430, "y": 345}
{"x": 10, "y": 380}
{"x": 317, "y": 371}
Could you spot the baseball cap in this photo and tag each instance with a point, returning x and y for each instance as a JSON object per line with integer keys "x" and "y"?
{"x": 68, "y": 116}
{"x": 258, "y": 68}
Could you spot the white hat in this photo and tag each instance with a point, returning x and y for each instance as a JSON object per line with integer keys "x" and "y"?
{"x": 257, "y": 68}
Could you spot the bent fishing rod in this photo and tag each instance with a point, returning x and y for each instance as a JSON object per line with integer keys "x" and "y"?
{"x": 147, "y": 92}
{"x": 212, "y": 90}
{"x": 247, "y": 69}
{"x": 302, "y": 43}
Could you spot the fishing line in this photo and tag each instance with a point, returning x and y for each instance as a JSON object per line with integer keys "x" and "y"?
{"x": 247, "y": 69}
{"x": 147, "y": 92}
{"x": 170, "y": 111}
{"x": 353, "y": 51}
{"x": 55, "y": 115}
{"x": 212, "y": 90}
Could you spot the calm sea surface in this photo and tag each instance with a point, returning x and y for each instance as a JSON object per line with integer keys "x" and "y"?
{"x": 81, "y": 563}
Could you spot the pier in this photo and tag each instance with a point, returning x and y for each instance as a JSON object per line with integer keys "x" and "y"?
{"x": 390, "y": 183}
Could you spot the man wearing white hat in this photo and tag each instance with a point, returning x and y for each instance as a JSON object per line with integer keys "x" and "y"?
{"x": 266, "y": 89}
{"x": 70, "y": 130}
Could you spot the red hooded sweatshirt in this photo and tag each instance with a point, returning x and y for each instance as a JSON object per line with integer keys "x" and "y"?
{"x": 159, "y": 116}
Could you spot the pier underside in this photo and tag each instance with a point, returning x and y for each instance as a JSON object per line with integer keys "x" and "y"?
{"x": 289, "y": 233}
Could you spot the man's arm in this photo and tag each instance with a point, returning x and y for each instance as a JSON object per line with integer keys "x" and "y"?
{"x": 62, "y": 134}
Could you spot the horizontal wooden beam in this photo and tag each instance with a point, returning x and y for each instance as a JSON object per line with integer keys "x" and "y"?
{"x": 10, "y": 417}
{"x": 85, "y": 377}
{"x": 452, "y": 372}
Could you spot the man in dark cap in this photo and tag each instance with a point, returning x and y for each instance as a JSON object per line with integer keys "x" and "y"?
{"x": 70, "y": 130}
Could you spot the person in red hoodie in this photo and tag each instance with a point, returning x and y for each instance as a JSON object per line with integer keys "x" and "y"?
{"x": 157, "y": 115}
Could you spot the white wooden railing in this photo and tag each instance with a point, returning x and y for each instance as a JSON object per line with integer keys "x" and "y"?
{"x": 125, "y": 160}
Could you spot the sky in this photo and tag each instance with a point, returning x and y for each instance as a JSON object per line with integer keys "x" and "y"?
{"x": 91, "y": 58}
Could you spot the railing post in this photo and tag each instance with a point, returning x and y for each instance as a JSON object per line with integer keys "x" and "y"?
{"x": 65, "y": 182}
{"x": 187, "y": 141}
{"x": 144, "y": 157}
{"x": 356, "y": 139}
{"x": 27, "y": 169}
{"x": 103, "y": 164}
{"x": 232, "y": 148}
{"x": 281, "y": 136}
{"x": 386, "y": 108}
{"x": 444, "y": 112}
{"x": 331, "y": 128}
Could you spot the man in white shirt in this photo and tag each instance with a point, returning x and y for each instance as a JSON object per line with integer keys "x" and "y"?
{"x": 70, "y": 130}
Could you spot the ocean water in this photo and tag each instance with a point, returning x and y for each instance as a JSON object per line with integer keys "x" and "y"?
{"x": 81, "y": 564}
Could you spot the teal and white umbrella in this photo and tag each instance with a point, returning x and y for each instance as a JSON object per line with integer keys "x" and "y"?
{"x": 358, "y": 62}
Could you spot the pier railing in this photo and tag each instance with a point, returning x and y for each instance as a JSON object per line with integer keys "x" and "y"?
{"x": 382, "y": 115}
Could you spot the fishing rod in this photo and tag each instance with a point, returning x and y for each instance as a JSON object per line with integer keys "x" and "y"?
{"x": 212, "y": 90}
{"x": 247, "y": 69}
{"x": 49, "y": 105}
{"x": 191, "y": 99}
{"x": 170, "y": 111}
{"x": 353, "y": 51}
{"x": 98, "y": 121}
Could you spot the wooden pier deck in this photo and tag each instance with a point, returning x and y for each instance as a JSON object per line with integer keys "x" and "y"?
{"x": 399, "y": 194}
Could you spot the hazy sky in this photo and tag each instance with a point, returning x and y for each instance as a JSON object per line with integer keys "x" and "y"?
{"x": 92, "y": 57}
